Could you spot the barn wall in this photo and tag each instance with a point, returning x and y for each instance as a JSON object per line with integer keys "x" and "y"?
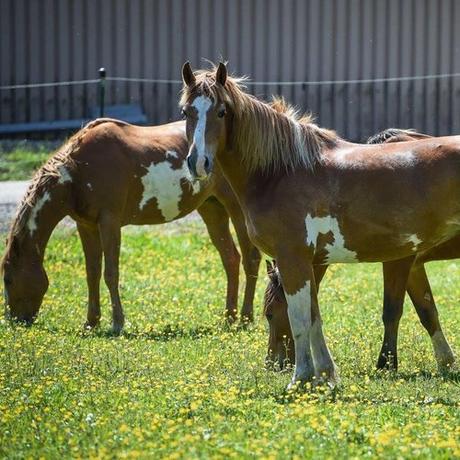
{"x": 269, "y": 40}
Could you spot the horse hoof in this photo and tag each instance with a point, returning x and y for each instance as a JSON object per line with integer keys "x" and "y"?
{"x": 246, "y": 319}
{"x": 230, "y": 319}
{"x": 445, "y": 367}
{"x": 90, "y": 325}
{"x": 117, "y": 329}
{"x": 387, "y": 363}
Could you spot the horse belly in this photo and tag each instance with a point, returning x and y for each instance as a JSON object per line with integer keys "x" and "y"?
{"x": 372, "y": 242}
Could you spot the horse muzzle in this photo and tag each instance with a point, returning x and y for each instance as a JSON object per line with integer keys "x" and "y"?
{"x": 200, "y": 166}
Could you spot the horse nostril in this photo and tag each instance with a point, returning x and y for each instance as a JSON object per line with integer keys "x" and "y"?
{"x": 206, "y": 164}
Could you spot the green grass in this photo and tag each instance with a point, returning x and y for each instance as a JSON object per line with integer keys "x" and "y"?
{"x": 178, "y": 384}
{"x": 20, "y": 163}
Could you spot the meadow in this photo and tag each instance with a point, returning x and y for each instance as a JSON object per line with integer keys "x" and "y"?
{"x": 20, "y": 159}
{"x": 179, "y": 383}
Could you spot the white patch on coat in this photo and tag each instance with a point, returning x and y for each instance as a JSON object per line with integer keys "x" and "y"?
{"x": 163, "y": 183}
{"x": 336, "y": 251}
{"x": 414, "y": 240}
{"x": 202, "y": 105}
{"x": 32, "y": 222}
{"x": 172, "y": 154}
{"x": 64, "y": 175}
{"x": 299, "y": 312}
{"x": 442, "y": 351}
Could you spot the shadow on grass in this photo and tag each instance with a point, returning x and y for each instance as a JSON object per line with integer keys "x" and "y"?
{"x": 450, "y": 375}
{"x": 167, "y": 333}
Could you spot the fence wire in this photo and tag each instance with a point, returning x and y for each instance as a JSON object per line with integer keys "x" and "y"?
{"x": 247, "y": 83}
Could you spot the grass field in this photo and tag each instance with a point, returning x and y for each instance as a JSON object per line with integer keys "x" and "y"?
{"x": 179, "y": 384}
{"x": 20, "y": 162}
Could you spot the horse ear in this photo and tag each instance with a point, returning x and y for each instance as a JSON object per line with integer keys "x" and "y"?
{"x": 221, "y": 74}
{"x": 187, "y": 74}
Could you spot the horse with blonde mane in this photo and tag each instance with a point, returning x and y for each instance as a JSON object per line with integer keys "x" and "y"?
{"x": 280, "y": 342}
{"x": 311, "y": 198}
{"x": 108, "y": 175}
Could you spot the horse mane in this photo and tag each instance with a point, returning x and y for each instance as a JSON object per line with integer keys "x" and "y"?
{"x": 271, "y": 137}
{"x": 45, "y": 176}
{"x": 395, "y": 135}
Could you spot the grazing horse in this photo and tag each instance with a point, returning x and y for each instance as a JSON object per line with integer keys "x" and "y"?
{"x": 108, "y": 175}
{"x": 280, "y": 350}
{"x": 310, "y": 197}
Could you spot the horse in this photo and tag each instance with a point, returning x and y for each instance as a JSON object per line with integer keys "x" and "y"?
{"x": 280, "y": 351}
{"x": 312, "y": 198}
{"x": 108, "y": 175}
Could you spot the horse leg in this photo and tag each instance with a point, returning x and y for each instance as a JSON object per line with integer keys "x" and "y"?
{"x": 251, "y": 261}
{"x": 312, "y": 356}
{"x": 395, "y": 274}
{"x": 217, "y": 222}
{"x": 250, "y": 254}
{"x": 110, "y": 232}
{"x": 419, "y": 290}
{"x": 320, "y": 271}
{"x": 92, "y": 249}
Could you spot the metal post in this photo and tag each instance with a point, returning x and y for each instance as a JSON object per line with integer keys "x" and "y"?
{"x": 102, "y": 75}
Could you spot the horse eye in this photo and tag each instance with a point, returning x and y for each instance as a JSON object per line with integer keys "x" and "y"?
{"x": 269, "y": 316}
{"x": 221, "y": 113}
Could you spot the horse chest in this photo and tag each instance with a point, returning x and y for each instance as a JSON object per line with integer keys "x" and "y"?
{"x": 164, "y": 187}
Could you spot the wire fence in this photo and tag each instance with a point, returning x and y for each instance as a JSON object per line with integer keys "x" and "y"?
{"x": 356, "y": 108}
{"x": 247, "y": 83}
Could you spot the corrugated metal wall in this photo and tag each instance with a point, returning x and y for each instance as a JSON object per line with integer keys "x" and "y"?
{"x": 269, "y": 40}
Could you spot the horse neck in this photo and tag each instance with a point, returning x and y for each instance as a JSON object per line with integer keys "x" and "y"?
{"x": 41, "y": 224}
{"x": 233, "y": 169}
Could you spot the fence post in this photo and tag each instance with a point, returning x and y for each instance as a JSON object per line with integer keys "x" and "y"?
{"x": 102, "y": 75}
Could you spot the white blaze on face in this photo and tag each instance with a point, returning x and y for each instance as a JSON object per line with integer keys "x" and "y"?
{"x": 202, "y": 105}
{"x": 163, "y": 183}
{"x": 32, "y": 222}
{"x": 336, "y": 251}
{"x": 299, "y": 312}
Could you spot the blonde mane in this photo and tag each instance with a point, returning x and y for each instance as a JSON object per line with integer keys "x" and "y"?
{"x": 271, "y": 137}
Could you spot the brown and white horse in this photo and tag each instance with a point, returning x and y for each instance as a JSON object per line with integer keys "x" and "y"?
{"x": 108, "y": 175}
{"x": 280, "y": 349}
{"x": 310, "y": 197}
